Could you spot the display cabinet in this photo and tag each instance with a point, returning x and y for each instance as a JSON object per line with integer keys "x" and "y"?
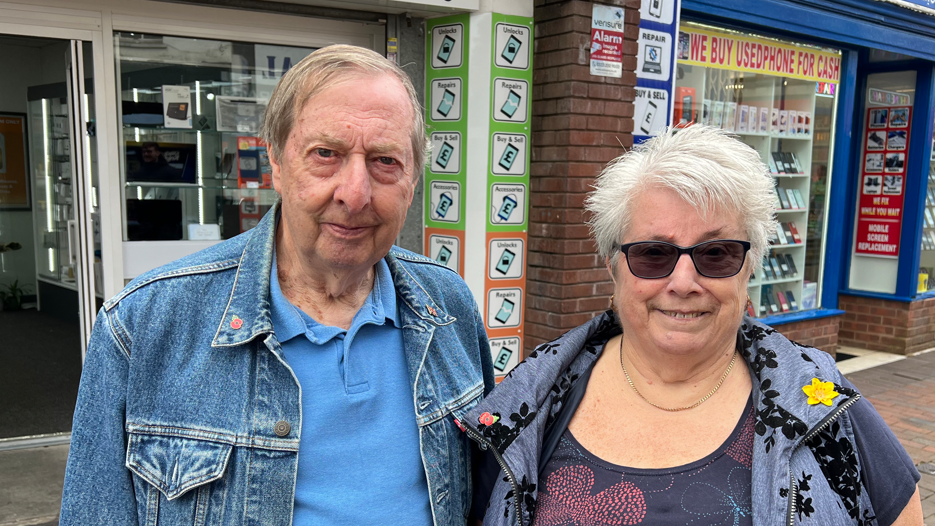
{"x": 50, "y": 157}
{"x": 789, "y": 123}
{"x": 54, "y": 220}
{"x": 193, "y": 167}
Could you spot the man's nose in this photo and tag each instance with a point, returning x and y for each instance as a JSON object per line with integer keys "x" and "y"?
{"x": 354, "y": 189}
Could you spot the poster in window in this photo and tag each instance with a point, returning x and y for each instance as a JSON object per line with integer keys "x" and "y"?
{"x": 879, "y": 216}
{"x": 14, "y": 172}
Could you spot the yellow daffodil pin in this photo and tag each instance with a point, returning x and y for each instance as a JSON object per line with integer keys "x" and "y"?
{"x": 820, "y": 392}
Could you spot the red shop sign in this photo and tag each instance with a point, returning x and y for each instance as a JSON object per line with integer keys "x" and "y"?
{"x": 883, "y": 180}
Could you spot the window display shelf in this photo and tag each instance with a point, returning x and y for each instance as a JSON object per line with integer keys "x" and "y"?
{"x": 758, "y": 282}
{"x": 789, "y": 245}
{"x": 780, "y": 118}
{"x": 131, "y": 129}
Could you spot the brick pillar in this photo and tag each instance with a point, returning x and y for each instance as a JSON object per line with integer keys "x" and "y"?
{"x": 579, "y": 123}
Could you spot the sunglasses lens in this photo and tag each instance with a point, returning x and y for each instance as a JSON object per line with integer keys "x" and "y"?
{"x": 719, "y": 259}
{"x": 652, "y": 260}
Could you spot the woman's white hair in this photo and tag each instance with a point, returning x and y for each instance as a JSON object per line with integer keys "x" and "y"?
{"x": 705, "y": 166}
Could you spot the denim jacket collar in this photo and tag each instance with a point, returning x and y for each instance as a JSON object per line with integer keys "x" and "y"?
{"x": 248, "y": 310}
{"x": 247, "y": 314}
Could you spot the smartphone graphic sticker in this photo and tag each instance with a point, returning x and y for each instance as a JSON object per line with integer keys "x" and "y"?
{"x": 506, "y": 259}
{"x": 503, "y": 359}
{"x": 511, "y": 105}
{"x": 506, "y": 208}
{"x": 508, "y": 157}
{"x": 443, "y": 204}
{"x": 646, "y": 124}
{"x": 655, "y": 8}
{"x": 511, "y": 49}
{"x": 444, "y": 52}
{"x": 444, "y": 155}
{"x": 448, "y": 101}
{"x": 506, "y": 309}
{"x": 444, "y": 255}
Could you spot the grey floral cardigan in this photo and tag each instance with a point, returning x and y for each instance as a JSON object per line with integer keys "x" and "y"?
{"x": 805, "y": 466}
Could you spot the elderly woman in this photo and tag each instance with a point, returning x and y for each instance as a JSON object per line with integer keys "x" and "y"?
{"x": 672, "y": 407}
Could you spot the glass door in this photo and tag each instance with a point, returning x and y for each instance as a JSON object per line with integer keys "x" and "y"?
{"x": 49, "y": 232}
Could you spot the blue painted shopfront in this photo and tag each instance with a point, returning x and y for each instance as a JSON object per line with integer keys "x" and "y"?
{"x": 856, "y": 27}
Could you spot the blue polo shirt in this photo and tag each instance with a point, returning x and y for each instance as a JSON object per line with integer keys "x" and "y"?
{"x": 359, "y": 456}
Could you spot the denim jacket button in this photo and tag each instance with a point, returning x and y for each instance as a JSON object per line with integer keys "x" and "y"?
{"x": 282, "y": 428}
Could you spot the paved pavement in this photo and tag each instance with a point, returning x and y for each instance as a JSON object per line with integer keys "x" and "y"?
{"x": 904, "y": 394}
{"x": 31, "y": 485}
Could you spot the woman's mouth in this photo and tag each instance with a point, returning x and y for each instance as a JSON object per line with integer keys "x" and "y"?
{"x": 679, "y": 315}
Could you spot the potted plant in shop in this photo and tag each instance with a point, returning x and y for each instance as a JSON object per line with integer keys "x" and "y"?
{"x": 11, "y": 295}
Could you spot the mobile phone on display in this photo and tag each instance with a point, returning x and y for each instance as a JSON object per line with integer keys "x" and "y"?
{"x": 505, "y": 311}
{"x": 444, "y": 202}
{"x": 444, "y": 52}
{"x": 506, "y": 259}
{"x": 686, "y": 109}
{"x": 506, "y": 208}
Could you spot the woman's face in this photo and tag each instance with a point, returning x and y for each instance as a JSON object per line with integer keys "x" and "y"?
{"x": 685, "y": 312}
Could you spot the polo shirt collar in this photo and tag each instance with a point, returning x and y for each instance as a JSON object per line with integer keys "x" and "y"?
{"x": 289, "y": 322}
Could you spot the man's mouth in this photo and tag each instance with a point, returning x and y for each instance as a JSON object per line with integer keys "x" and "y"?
{"x": 347, "y": 229}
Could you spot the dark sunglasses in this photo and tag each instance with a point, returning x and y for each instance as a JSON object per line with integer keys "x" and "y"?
{"x": 720, "y": 258}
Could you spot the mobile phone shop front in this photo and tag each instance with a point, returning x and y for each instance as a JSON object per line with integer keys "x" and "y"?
{"x": 128, "y": 138}
{"x": 837, "y": 98}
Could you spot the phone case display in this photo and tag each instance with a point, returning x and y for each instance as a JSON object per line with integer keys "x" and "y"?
{"x": 775, "y": 115}
{"x": 192, "y": 158}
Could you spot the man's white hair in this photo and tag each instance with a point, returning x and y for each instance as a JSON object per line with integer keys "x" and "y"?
{"x": 706, "y": 166}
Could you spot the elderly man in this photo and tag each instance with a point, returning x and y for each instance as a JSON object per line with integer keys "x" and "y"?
{"x": 307, "y": 371}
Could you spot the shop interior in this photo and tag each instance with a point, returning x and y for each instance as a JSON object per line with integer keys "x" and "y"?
{"x": 39, "y": 317}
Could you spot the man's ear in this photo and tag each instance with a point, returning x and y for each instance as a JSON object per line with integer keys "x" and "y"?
{"x": 412, "y": 188}
{"x": 276, "y": 167}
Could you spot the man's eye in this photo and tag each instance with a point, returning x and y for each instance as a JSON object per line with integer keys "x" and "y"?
{"x": 387, "y": 160}
{"x": 324, "y": 152}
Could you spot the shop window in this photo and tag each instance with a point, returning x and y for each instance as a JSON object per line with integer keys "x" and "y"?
{"x": 779, "y": 98}
{"x": 927, "y": 261}
{"x": 190, "y": 108}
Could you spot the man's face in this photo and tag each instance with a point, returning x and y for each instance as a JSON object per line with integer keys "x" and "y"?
{"x": 346, "y": 173}
{"x": 150, "y": 154}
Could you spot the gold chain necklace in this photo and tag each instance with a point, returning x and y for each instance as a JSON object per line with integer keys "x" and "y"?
{"x": 672, "y": 410}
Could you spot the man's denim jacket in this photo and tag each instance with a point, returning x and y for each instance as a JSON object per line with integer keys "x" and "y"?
{"x": 185, "y": 382}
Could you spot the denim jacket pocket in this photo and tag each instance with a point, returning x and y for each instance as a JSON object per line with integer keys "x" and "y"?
{"x": 175, "y": 465}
